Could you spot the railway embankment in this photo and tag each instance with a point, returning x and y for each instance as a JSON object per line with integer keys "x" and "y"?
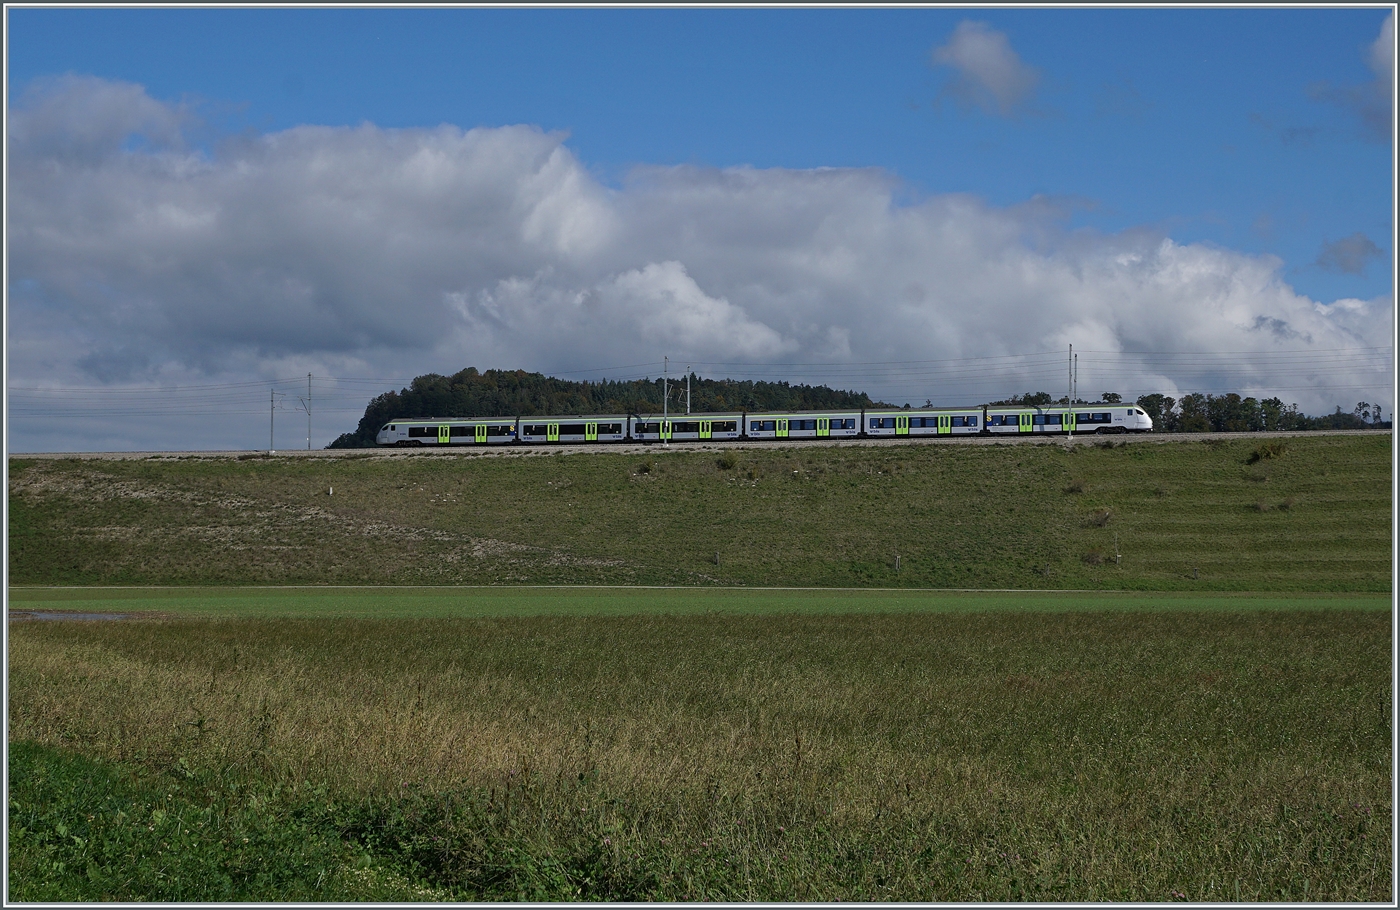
{"x": 1302, "y": 512}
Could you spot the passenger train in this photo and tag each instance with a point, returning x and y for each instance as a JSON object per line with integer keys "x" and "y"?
{"x": 864, "y": 423}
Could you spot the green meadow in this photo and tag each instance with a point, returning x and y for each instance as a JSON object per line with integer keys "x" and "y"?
{"x": 1305, "y": 514}
{"x": 446, "y": 681}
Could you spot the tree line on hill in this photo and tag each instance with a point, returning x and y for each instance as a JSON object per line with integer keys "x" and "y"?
{"x": 516, "y": 393}
{"x": 1229, "y": 413}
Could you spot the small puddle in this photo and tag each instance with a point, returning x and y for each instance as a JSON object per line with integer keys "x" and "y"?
{"x": 60, "y": 616}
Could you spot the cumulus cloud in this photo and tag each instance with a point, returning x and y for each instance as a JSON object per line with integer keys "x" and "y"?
{"x": 989, "y": 74}
{"x": 138, "y": 258}
{"x": 1382, "y": 56}
{"x": 1349, "y": 255}
{"x": 1373, "y": 101}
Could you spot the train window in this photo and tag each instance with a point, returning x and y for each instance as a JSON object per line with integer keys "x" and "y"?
{"x": 724, "y": 426}
{"x": 651, "y": 427}
{"x": 972, "y": 421}
{"x": 882, "y": 423}
{"x": 535, "y": 429}
{"x": 604, "y": 428}
{"x": 960, "y": 421}
{"x": 762, "y": 426}
{"x": 1052, "y": 419}
{"x": 461, "y": 431}
{"x": 422, "y": 432}
{"x": 685, "y": 426}
{"x": 802, "y": 424}
{"x": 571, "y": 429}
{"x": 500, "y": 430}
{"x": 848, "y": 423}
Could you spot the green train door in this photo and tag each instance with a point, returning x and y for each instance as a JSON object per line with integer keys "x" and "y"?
{"x": 551, "y": 432}
{"x": 480, "y": 433}
{"x": 901, "y": 426}
{"x": 823, "y": 426}
{"x": 590, "y": 432}
{"x": 945, "y": 423}
{"x": 1069, "y": 422}
{"x": 782, "y": 428}
{"x": 665, "y": 429}
{"x": 444, "y": 434}
{"x": 707, "y": 429}
{"x": 1025, "y": 422}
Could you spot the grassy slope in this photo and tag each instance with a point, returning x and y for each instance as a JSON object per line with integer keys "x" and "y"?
{"x": 954, "y": 756}
{"x": 1187, "y": 516}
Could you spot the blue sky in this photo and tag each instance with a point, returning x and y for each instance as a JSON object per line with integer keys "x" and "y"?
{"x": 1231, "y": 133}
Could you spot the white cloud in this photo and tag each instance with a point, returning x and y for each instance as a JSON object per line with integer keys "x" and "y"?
{"x": 1382, "y": 60}
{"x": 374, "y": 252}
{"x": 989, "y": 73}
{"x": 1373, "y": 101}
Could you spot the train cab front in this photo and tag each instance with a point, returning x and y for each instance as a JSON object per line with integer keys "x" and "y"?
{"x": 391, "y": 434}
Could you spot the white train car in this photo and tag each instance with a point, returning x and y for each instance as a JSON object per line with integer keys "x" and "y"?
{"x": 1092, "y": 418}
{"x": 687, "y": 427}
{"x": 435, "y": 431}
{"x": 590, "y": 428}
{"x": 924, "y": 422}
{"x": 802, "y": 425}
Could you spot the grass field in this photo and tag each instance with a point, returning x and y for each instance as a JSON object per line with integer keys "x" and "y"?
{"x": 440, "y": 694}
{"x": 681, "y": 745}
{"x": 1313, "y": 515}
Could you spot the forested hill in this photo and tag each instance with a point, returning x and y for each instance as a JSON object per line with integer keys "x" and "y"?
{"x": 512, "y": 393}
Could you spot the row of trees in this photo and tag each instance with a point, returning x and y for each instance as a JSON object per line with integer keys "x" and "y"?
{"x": 512, "y": 393}
{"x": 1225, "y": 413}
{"x": 1229, "y": 413}
{"x": 1197, "y": 413}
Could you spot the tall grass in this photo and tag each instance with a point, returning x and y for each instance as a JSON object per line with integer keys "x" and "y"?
{"x": 880, "y": 757}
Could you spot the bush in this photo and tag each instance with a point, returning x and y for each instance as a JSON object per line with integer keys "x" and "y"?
{"x": 727, "y": 461}
{"x": 1100, "y": 517}
{"x": 1266, "y": 450}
